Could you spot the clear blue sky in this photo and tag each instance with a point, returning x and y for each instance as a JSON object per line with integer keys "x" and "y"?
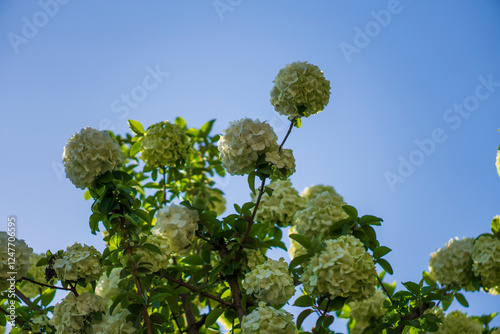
{"x": 401, "y": 73}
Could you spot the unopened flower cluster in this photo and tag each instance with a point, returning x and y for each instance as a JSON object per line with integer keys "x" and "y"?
{"x": 21, "y": 255}
{"x": 280, "y": 207}
{"x": 343, "y": 268}
{"x": 451, "y": 265}
{"x": 177, "y": 224}
{"x": 254, "y": 258}
{"x": 270, "y": 282}
{"x": 242, "y": 143}
{"x": 90, "y": 153}
{"x": 456, "y": 322}
{"x": 29, "y": 289}
{"x": 364, "y": 310}
{"x": 320, "y": 214}
{"x": 114, "y": 324}
{"x": 282, "y": 160}
{"x": 107, "y": 287}
{"x": 312, "y": 192}
{"x": 268, "y": 320}
{"x": 79, "y": 262}
{"x": 300, "y": 89}
{"x": 164, "y": 144}
{"x": 486, "y": 261}
{"x": 151, "y": 259}
{"x": 73, "y": 314}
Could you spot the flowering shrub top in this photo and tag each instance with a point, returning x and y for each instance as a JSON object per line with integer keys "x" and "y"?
{"x": 177, "y": 224}
{"x": 268, "y": 320}
{"x": 21, "y": 255}
{"x": 486, "y": 261}
{"x": 164, "y": 144}
{"x": 79, "y": 262}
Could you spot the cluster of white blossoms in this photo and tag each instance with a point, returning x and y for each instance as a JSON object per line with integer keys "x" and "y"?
{"x": 79, "y": 262}
{"x": 90, "y": 153}
{"x": 107, "y": 286}
{"x": 320, "y": 214}
{"x": 486, "y": 261}
{"x": 177, "y": 224}
{"x": 242, "y": 143}
{"x": 457, "y": 322}
{"x": 281, "y": 159}
{"x": 164, "y": 144}
{"x": 20, "y": 266}
{"x": 312, "y": 192}
{"x": 156, "y": 261}
{"x": 268, "y": 320}
{"x": 29, "y": 289}
{"x": 74, "y": 314}
{"x": 280, "y": 207}
{"x": 254, "y": 258}
{"x": 114, "y": 324}
{"x": 343, "y": 268}
{"x": 364, "y": 310}
{"x": 451, "y": 264}
{"x": 300, "y": 89}
{"x": 270, "y": 282}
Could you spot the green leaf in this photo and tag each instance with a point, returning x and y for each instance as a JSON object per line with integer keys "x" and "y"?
{"x": 299, "y": 260}
{"x": 135, "y": 149}
{"x": 181, "y": 122}
{"x": 213, "y": 316}
{"x": 304, "y": 301}
{"x": 428, "y": 279}
{"x": 302, "y": 240}
{"x": 495, "y": 226}
{"x": 251, "y": 182}
{"x": 195, "y": 260}
{"x": 157, "y": 318}
{"x": 380, "y": 251}
{"x": 207, "y": 127}
{"x": 351, "y": 211}
{"x": 87, "y": 195}
{"x": 48, "y": 296}
{"x": 412, "y": 287}
{"x": 302, "y": 316}
{"x": 386, "y": 266}
{"x": 136, "y": 127}
{"x": 461, "y": 299}
{"x": 370, "y": 220}
{"x": 152, "y": 248}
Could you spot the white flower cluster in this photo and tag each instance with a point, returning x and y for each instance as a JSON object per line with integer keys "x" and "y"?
{"x": 37, "y": 324}
{"x": 20, "y": 251}
{"x": 73, "y": 313}
{"x": 364, "y": 310}
{"x": 343, "y": 268}
{"x": 280, "y": 208}
{"x": 268, "y": 320}
{"x": 29, "y": 289}
{"x": 79, "y": 262}
{"x": 320, "y": 214}
{"x": 90, "y": 153}
{"x": 177, "y": 224}
{"x": 242, "y": 143}
{"x": 114, "y": 324}
{"x": 156, "y": 261}
{"x": 486, "y": 261}
{"x": 312, "y": 192}
{"x": 270, "y": 282}
{"x": 164, "y": 144}
{"x": 457, "y": 322}
{"x": 451, "y": 265}
{"x": 300, "y": 89}
{"x": 281, "y": 159}
{"x": 107, "y": 287}
{"x": 254, "y": 258}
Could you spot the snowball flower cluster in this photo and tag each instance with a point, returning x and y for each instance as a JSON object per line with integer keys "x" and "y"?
{"x": 283, "y": 163}
{"x": 90, "y": 153}
{"x": 451, "y": 265}
{"x": 320, "y": 214}
{"x": 79, "y": 262}
{"x": 177, "y": 224}
{"x": 156, "y": 261}
{"x": 312, "y": 192}
{"x": 268, "y": 320}
{"x": 300, "y": 89}
{"x": 343, "y": 268}
{"x": 242, "y": 143}
{"x": 29, "y": 289}
{"x": 107, "y": 286}
{"x": 20, "y": 251}
{"x": 114, "y": 324}
{"x": 364, "y": 310}
{"x": 456, "y": 322}
{"x": 486, "y": 261}
{"x": 270, "y": 282}
{"x": 164, "y": 144}
{"x": 73, "y": 313}
{"x": 254, "y": 258}
{"x": 280, "y": 207}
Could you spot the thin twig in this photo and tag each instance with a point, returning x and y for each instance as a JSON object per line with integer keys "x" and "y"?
{"x": 286, "y": 136}
{"x": 18, "y": 322}
{"x": 43, "y": 284}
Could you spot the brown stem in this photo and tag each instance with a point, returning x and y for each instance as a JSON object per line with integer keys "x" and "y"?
{"x": 43, "y": 284}
{"x": 203, "y": 293}
{"x": 18, "y": 322}
{"x": 233, "y": 284}
{"x": 25, "y": 299}
{"x": 286, "y": 136}
{"x": 164, "y": 170}
{"x": 189, "y": 315}
{"x": 252, "y": 219}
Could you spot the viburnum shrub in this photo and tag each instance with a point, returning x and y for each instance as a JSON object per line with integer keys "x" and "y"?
{"x": 173, "y": 262}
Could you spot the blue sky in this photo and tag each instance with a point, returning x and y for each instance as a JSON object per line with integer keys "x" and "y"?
{"x": 410, "y": 133}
